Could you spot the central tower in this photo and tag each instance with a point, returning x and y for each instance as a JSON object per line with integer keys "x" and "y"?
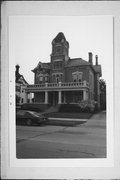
{"x": 59, "y": 57}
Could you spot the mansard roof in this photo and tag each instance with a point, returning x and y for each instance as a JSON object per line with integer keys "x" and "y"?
{"x": 41, "y": 65}
{"x": 59, "y": 37}
{"x": 76, "y": 62}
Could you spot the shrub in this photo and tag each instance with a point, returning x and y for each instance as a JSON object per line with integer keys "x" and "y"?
{"x": 87, "y": 106}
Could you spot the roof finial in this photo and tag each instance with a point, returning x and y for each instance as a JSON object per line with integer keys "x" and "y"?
{"x": 17, "y": 68}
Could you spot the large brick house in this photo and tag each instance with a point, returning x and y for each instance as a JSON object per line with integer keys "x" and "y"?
{"x": 65, "y": 80}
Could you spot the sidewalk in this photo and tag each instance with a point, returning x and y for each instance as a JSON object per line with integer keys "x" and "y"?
{"x": 73, "y": 119}
{"x": 68, "y": 119}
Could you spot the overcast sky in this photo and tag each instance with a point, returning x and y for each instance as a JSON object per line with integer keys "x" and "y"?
{"x": 32, "y": 36}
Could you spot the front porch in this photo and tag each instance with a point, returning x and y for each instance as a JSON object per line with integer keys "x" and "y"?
{"x": 59, "y": 93}
{"x": 60, "y": 97}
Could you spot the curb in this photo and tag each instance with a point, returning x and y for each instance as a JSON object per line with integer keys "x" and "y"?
{"x": 67, "y": 119}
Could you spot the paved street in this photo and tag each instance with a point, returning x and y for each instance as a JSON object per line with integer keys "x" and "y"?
{"x": 86, "y": 140}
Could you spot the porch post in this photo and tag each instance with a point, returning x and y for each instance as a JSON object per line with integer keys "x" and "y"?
{"x": 30, "y": 98}
{"x": 87, "y": 95}
{"x": 64, "y": 96}
{"x": 84, "y": 95}
{"x": 26, "y": 98}
{"x": 46, "y": 97}
{"x": 59, "y": 97}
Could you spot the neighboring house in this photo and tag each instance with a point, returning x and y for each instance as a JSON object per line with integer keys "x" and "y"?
{"x": 65, "y": 80}
{"x": 21, "y": 84}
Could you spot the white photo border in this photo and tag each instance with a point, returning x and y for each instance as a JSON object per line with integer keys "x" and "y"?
{"x": 12, "y": 167}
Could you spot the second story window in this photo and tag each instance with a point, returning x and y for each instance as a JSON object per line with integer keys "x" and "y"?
{"x": 77, "y": 76}
{"x": 46, "y": 78}
{"x": 74, "y": 78}
{"x": 41, "y": 78}
{"x": 57, "y": 77}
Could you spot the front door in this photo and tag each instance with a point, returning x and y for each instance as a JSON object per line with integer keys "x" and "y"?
{"x": 53, "y": 98}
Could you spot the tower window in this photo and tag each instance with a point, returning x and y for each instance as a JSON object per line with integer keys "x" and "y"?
{"x": 58, "y": 65}
{"x": 58, "y": 49}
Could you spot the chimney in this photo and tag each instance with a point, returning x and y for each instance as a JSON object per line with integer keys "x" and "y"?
{"x": 17, "y": 69}
{"x": 90, "y": 57}
{"x": 96, "y": 57}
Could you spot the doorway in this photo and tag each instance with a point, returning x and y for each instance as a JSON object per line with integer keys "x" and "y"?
{"x": 53, "y": 98}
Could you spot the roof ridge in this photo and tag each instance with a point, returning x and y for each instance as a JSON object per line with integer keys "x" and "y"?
{"x": 77, "y": 61}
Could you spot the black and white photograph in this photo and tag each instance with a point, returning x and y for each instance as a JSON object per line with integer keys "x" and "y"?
{"x": 60, "y": 85}
{"x": 60, "y": 68}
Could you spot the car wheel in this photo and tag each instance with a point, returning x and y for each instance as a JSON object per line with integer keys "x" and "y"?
{"x": 29, "y": 122}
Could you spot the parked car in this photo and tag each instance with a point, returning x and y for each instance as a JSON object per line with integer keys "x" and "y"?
{"x": 29, "y": 117}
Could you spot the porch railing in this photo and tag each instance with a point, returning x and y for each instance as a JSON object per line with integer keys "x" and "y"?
{"x": 60, "y": 85}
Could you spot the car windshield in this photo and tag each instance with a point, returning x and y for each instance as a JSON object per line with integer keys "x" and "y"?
{"x": 34, "y": 113}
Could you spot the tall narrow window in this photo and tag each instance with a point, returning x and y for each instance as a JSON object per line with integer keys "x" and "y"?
{"x": 53, "y": 78}
{"x": 61, "y": 77}
{"x": 46, "y": 78}
{"x": 41, "y": 78}
{"x": 80, "y": 77}
{"x": 74, "y": 78}
{"x": 57, "y": 78}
